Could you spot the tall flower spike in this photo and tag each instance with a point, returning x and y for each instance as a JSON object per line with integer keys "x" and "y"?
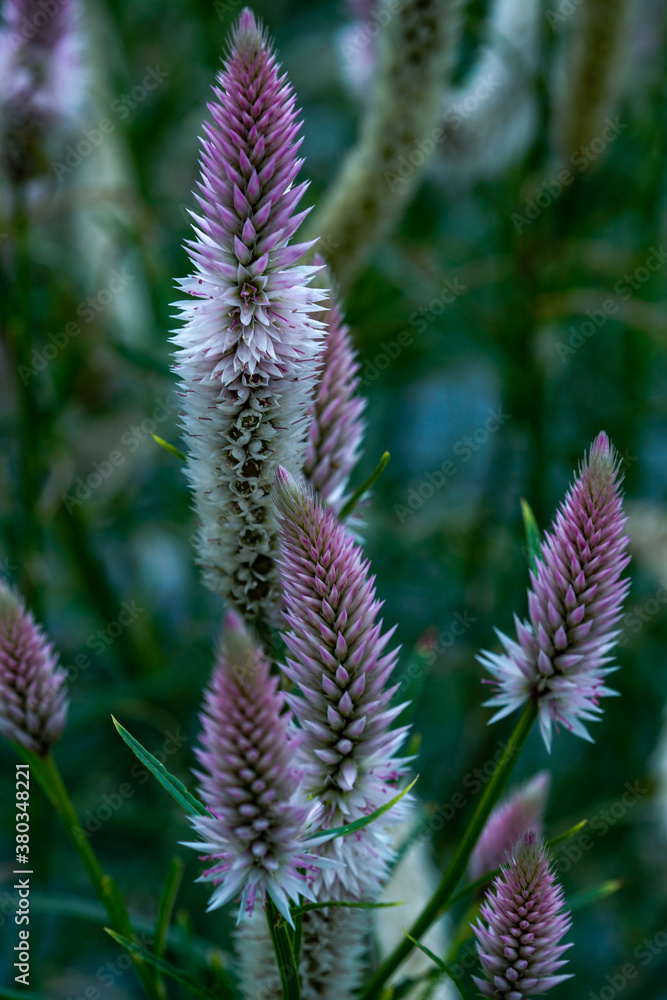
{"x": 255, "y": 835}
{"x": 33, "y": 698}
{"x": 519, "y": 947}
{"x": 521, "y": 811}
{"x": 339, "y": 665}
{"x": 562, "y": 655}
{"x": 336, "y": 427}
{"x": 40, "y": 80}
{"x": 248, "y": 353}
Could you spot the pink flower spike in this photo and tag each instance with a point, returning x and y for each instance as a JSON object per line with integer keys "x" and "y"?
{"x": 33, "y": 697}
{"x": 249, "y": 351}
{"x": 562, "y": 655}
{"x": 521, "y": 811}
{"x": 255, "y": 836}
{"x": 342, "y": 673}
{"x": 522, "y": 921}
{"x": 336, "y": 427}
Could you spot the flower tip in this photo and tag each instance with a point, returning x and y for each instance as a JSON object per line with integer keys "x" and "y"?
{"x": 248, "y": 29}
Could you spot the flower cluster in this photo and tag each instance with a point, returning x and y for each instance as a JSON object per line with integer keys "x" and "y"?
{"x": 255, "y": 834}
{"x": 562, "y": 656}
{"x": 40, "y": 80}
{"x": 248, "y": 353}
{"x": 33, "y": 698}
{"x": 522, "y": 921}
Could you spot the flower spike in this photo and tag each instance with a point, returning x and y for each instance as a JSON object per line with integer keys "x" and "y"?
{"x": 255, "y": 834}
{"x": 562, "y": 656}
{"x": 248, "y": 354}
{"x": 522, "y": 923}
{"x": 33, "y": 698}
{"x": 521, "y": 811}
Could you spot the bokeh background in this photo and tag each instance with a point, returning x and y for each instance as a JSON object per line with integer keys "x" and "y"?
{"x": 95, "y": 516}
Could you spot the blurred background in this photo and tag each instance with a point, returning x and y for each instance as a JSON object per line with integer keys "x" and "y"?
{"x": 518, "y": 307}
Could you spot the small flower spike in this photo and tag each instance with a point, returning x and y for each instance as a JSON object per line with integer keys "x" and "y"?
{"x": 336, "y": 427}
{"x": 255, "y": 834}
{"x": 521, "y": 811}
{"x": 33, "y": 698}
{"x": 522, "y": 923}
{"x": 562, "y": 655}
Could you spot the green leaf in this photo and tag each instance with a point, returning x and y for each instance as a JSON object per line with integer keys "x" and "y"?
{"x": 365, "y": 487}
{"x": 585, "y": 897}
{"x": 533, "y": 540}
{"x": 306, "y": 907}
{"x": 176, "y": 788}
{"x": 577, "y": 828}
{"x": 168, "y": 896}
{"x": 437, "y": 961}
{"x": 165, "y": 967}
{"x": 171, "y": 448}
{"x": 359, "y": 824}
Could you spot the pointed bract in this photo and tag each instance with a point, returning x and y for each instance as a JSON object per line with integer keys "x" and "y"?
{"x": 248, "y": 354}
{"x": 562, "y": 655}
{"x": 33, "y": 697}
{"x": 522, "y": 922}
{"x": 254, "y": 838}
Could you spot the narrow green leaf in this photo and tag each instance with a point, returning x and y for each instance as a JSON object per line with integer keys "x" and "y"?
{"x": 438, "y": 962}
{"x": 306, "y": 907}
{"x": 585, "y": 897}
{"x": 162, "y": 966}
{"x": 168, "y": 896}
{"x": 171, "y": 448}
{"x": 533, "y": 540}
{"x": 577, "y": 828}
{"x": 176, "y": 788}
{"x": 365, "y": 487}
{"x": 359, "y": 824}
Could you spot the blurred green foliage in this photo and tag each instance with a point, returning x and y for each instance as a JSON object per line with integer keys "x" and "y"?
{"x": 433, "y": 371}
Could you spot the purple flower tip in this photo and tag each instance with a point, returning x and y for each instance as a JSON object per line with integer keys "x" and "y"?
{"x": 561, "y": 656}
{"x": 33, "y": 698}
{"x": 522, "y": 921}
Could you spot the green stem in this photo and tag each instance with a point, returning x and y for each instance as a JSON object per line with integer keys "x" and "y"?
{"x": 49, "y": 777}
{"x": 283, "y": 945}
{"x": 459, "y": 862}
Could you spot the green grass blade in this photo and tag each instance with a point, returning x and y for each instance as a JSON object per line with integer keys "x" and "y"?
{"x": 359, "y": 824}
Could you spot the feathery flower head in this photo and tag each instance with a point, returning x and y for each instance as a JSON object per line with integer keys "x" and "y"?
{"x": 521, "y": 811}
{"x": 248, "y": 353}
{"x": 339, "y": 665}
{"x": 33, "y": 697}
{"x": 41, "y": 81}
{"x": 523, "y": 911}
{"x": 336, "y": 427}
{"x": 255, "y": 834}
{"x": 562, "y": 656}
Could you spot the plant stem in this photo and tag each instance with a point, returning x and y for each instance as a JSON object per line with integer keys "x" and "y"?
{"x": 282, "y": 939}
{"x": 49, "y": 777}
{"x": 458, "y": 864}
